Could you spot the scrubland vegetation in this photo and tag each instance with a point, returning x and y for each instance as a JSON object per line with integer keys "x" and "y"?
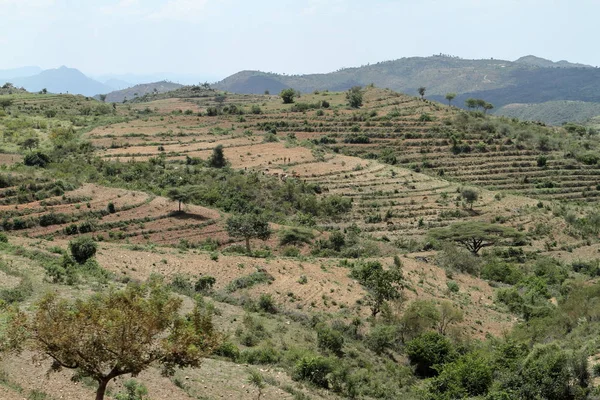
{"x": 363, "y": 244}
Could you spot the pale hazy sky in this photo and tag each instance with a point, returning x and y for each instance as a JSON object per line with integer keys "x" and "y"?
{"x": 221, "y": 37}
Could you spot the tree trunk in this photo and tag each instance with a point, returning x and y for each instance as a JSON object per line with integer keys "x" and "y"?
{"x": 179, "y": 205}
{"x": 101, "y": 389}
{"x": 248, "y": 244}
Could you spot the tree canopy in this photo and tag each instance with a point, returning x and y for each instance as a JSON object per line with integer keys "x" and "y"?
{"x": 355, "y": 97}
{"x": 116, "y": 333}
{"x": 474, "y": 235}
{"x": 183, "y": 194}
{"x": 248, "y": 226}
{"x": 287, "y": 95}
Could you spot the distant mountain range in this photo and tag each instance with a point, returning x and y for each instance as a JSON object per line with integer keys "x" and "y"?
{"x": 130, "y": 93}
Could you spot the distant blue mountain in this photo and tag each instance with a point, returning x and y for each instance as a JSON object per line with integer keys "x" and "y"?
{"x": 61, "y": 80}
{"x": 8, "y": 74}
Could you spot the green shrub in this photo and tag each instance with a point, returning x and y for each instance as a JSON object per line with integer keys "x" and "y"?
{"x": 36, "y": 159}
{"x": 467, "y": 377}
{"x": 133, "y": 391}
{"x": 313, "y": 369}
{"x": 71, "y": 229}
{"x": 429, "y": 350}
{"x": 296, "y": 236}
{"x": 53, "y": 219}
{"x": 82, "y": 249}
{"x": 452, "y": 286}
{"x": 204, "y": 283}
{"x": 267, "y": 304}
{"x": 111, "y": 208}
{"x": 3, "y": 237}
{"x": 262, "y": 355}
{"x": 330, "y": 340}
{"x": 501, "y": 272}
{"x": 244, "y": 282}
{"x": 382, "y": 338}
{"x": 228, "y": 350}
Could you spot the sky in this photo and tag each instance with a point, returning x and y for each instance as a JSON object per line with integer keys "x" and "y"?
{"x": 216, "y": 38}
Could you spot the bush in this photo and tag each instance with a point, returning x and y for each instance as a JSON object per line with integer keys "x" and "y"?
{"x": 82, "y": 249}
{"x": 261, "y": 355}
{"x": 469, "y": 376}
{"x": 53, "y": 219}
{"x": 501, "y": 272}
{"x": 330, "y": 340}
{"x": 71, "y": 230}
{"x": 313, "y": 369}
{"x": 267, "y": 304}
{"x": 427, "y": 351}
{"x": 37, "y": 159}
{"x": 204, "y": 283}
{"x": 247, "y": 281}
{"x": 229, "y": 350}
{"x": 382, "y": 338}
{"x": 452, "y": 286}
{"x": 3, "y": 237}
{"x": 295, "y": 236}
{"x": 111, "y": 208}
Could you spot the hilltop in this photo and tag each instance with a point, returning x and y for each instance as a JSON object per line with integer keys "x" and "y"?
{"x": 131, "y": 93}
{"x": 527, "y": 80}
{"x": 61, "y": 80}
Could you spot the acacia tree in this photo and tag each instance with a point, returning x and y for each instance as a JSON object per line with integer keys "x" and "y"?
{"x": 475, "y": 235}
{"x": 182, "y": 194}
{"x": 248, "y": 226}
{"x": 471, "y": 103}
{"x": 421, "y": 91}
{"x": 487, "y": 106}
{"x": 116, "y": 333}
{"x": 450, "y": 97}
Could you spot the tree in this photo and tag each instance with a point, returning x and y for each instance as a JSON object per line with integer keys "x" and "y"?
{"x": 287, "y": 95}
{"x": 82, "y": 249}
{"x": 470, "y": 196}
{"x": 487, "y": 106}
{"x": 450, "y": 97}
{"x": 182, "y": 194}
{"x": 30, "y": 142}
{"x": 449, "y": 314}
{"x": 217, "y": 159}
{"x": 471, "y": 103}
{"x": 115, "y": 333}
{"x": 102, "y": 97}
{"x": 354, "y": 97}
{"x": 381, "y": 285}
{"x": 421, "y": 91}
{"x": 248, "y": 226}
{"x": 475, "y": 235}
{"x": 429, "y": 350}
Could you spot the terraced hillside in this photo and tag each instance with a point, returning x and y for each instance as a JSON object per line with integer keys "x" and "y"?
{"x": 347, "y": 193}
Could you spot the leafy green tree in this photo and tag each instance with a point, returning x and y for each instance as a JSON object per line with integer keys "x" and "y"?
{"x": 420, "y": 316}
{"x": 354, "y": 96}
{"x": 183, "y": 194}
{"x": 287, "y": 95}
{"x": 248, "y": 226}
{"x": 30, "y": 142}
{"x": 448, "y": 314}
{"x": 217, "y": 159}
{"x": 469, "y": 376}
{"x": 487, "y": 107}
{"x": 102, "y": 98}
{"x": 429, "y": 350}
{"x": 421, "y": 91}
{"x": 450, "y": 97}
{"x": 471, "y": 103}
{"x": 116, "y": 332}
{"x": 381, "y": 285}
{"x": 475, "y": 235}
{"x": 470, "y": 196}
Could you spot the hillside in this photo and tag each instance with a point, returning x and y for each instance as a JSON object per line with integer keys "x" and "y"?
{"x": 528, "y": 80}
{"x": 61, "y": 80}
{"x": 553, "y": 112}
{"x": 362, "y": 289}
{"x": 130, "y": 93}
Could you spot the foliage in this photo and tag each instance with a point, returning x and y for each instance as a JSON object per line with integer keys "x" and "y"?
{"x": 36, "y": 159}
{"x": 287, "y": 95}
{"x": 314, "y": 369}
{"x": 247, "y": 281}
{"x": 354, "y": 96}
{"x": 474, "y": 235}
{"x": 82, "y": 249}
{"x": 117, "y": 332}
{"x": 133, "y": 391}
{"x": 428, "y": 351}
{"x": 248, "y": 226}
{"x": 469, "y": 196}
{"x": 381, "y": 285}
{"x": 330, "y": 340}
{"x": 217, "y": 159}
